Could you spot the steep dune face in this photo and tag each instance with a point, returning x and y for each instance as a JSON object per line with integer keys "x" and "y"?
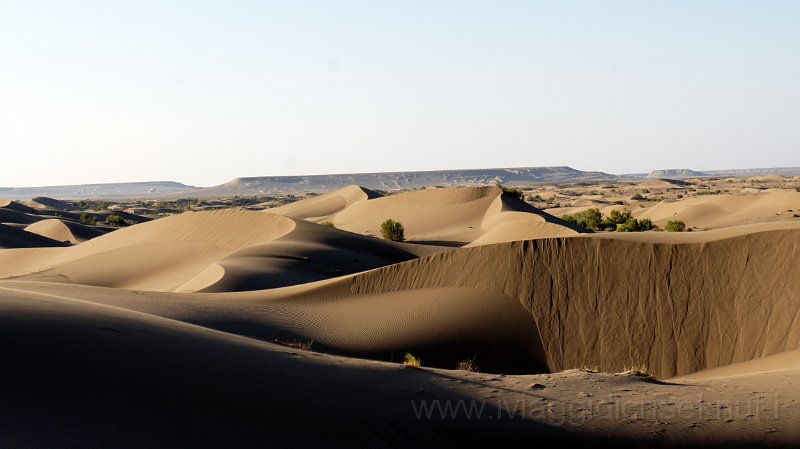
{"x": 611, "y": 303}
{"x": 212, "y": 251}
{"x": 477, "y": 215}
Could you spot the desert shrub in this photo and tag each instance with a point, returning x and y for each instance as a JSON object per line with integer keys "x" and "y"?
{"x": 116, "y": 220}
{"x": 411, "y": 361}
{"x": 536, "y": 199}
{"x": 620, "y": 216}
{"x": 675, "y": 226}
{"x": 86, "y": 218}
{"x": 634, "y": 225}
{"x": 607, "y": 225}
{"x": 467, "y": 365}
{"x": 393, "y": 230}
{"x": 589, "y": 219}
{"x": 327, "y": 223}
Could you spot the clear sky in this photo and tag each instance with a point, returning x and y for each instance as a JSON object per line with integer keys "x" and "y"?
{"x": 205, "y": 91}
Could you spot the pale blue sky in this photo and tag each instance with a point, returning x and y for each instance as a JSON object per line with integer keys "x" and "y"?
{"x": 202, "y": 92}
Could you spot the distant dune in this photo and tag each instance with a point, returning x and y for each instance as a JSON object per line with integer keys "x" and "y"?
{"x": 476, "y": 215}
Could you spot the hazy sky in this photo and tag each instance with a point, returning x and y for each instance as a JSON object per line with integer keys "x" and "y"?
{"x": 201, "y": 92}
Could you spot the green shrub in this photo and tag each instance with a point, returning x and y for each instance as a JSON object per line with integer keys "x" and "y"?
{"x": 588, "y": 219}
{"x": 634, "y": 225}
{"x": 86, "y": 218}
{"x": 116, "y": 220}
{"x": 393, "y": 230}
{"x": 675, "y": 226}
{"x": 620, "y": 217}
{"x": 327, "y": 223}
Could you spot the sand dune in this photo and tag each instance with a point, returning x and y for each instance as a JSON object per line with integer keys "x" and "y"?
{"x": 680, "y": 324}
{"x": 109, "y": 377}
{"x": 16, "y": 206}
{"x": 220, "y": 250}
{"x": 459, "y": 215}
{"x": 64, "y": 231}
{"x": 11, "y": 237}
{"x": 43, "y": 202}
{"x": 73, "y": 347}
{"x": 712, "y": 211}
{"x": 716, "y": 211}
{"x": 327, "y": 205}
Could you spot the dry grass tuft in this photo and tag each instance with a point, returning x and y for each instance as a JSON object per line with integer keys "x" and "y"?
{"x": 411, "y": 362}
{"x": 467, "y": 365}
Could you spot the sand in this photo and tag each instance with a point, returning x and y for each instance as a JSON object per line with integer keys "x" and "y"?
{"x": 185, "y": 331}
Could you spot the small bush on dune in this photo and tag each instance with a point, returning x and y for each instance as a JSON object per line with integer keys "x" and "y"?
{"x": 116, "y": 220}
{"x": 393, "y": 230}
{"x": 675, "y": 226}
{"x": 620, "y": 216}
{"x": 88, "y": 219}
{"x": 590, "y": 219}
{"x": 411, "y": 362}
{"x": 467, "y": 365}
{"x": 327, "y": 223}
{"x": 635, "y": 225}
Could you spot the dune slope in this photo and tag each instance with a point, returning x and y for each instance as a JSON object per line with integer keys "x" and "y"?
{"x": 64, "y": 231}
{"x": 212, "y": 251}
{"x": 612, "y": 303}
{"x": 11, "y": 237}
